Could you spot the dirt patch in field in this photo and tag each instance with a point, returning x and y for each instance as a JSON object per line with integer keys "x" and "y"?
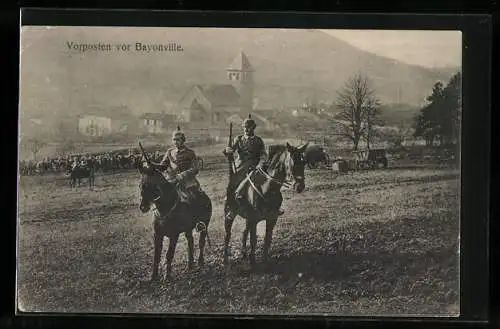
{"x": 374, "y": 243}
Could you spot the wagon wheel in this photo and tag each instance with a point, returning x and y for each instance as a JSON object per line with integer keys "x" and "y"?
{"x": 335, "y": 174}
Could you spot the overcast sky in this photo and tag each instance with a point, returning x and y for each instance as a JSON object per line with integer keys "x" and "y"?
{"x": 425, "y": 48}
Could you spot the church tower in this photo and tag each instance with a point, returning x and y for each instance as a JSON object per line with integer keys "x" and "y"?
{"x": 240, "y": 73}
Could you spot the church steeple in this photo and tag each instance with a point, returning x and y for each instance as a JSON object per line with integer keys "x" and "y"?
{"x": 240, "y": 73}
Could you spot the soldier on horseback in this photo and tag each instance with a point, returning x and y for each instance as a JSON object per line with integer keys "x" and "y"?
{"x": 251, "y": 154}
{"x": 181, "y": 166}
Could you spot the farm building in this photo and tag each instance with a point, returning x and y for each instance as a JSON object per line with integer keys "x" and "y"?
{"x": 103, "y": 121}
{"x": 156, "y": 123}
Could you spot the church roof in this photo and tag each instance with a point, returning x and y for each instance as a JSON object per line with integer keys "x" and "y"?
{"x": 157, "y": 116}
{"x": 221, "y": 94}
{"x": 112, "y": 112}
{"x": 241, "y": 63}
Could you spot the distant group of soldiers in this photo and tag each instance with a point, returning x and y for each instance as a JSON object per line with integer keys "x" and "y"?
{"x": 106, "y": 161}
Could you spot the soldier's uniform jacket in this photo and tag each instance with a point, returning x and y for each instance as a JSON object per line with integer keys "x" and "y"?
{"x": 250, "y": 152}
{"x": 181, "y": 162}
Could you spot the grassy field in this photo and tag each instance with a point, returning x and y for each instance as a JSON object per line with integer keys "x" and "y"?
{"x": 379, "y": 242}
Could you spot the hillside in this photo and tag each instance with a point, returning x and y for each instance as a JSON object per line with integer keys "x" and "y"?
{"x": 291, "y": 65}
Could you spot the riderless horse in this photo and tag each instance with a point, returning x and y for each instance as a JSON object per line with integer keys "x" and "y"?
{"x": 172, "y": 216}
{"x": 262, "y": 197}
{"x": 79, "y": 172}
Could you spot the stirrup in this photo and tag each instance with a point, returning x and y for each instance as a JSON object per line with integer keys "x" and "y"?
{"x": 229, "y": 215}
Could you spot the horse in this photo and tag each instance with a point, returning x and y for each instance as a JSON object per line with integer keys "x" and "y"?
{"x": 173, "y": 216}
{"x": 80, "y": 172}
{"x": 314, "y": 155}
{"x": 262, "y": 197}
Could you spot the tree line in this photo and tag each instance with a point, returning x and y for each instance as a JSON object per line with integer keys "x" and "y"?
{"x": 359, "y": 114}
{"x": 440, "y": 119}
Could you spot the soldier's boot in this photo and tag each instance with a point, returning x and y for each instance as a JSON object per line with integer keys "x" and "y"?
{"x": 280, "y": 212}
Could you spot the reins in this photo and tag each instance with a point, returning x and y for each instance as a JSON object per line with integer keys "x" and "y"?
{"x": 157, "y": 211}
{"x": 271, "y": 178}
{"x": 284, "y": 183}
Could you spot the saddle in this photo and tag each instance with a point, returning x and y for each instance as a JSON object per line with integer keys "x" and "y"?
{"x": 188, "y": 195}
{"x": 266, "y": 198}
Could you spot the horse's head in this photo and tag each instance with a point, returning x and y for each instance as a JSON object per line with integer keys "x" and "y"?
{"x": 295, "y": 166}
{"x": 154, "y": 189}
{"x": 288, "y": 162}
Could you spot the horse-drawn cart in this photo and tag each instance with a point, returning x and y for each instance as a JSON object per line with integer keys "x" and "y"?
{"x": 343, "y": 166}
{"x": 370, "y": 159}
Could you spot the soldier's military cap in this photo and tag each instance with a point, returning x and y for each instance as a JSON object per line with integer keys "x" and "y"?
{"x": 249, "y": 122}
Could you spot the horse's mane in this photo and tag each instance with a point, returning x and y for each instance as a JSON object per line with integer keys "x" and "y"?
{"x": 274, "y": 154}
{"x": 157, "y": 177}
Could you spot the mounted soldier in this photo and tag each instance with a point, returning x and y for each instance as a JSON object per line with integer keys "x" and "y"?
{"x": 251, "y": 154}
{"x": 181, "y": 166}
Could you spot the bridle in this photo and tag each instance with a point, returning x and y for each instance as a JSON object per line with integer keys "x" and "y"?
{"x": 155, "y": 209}
{"x": 284, "y": 183}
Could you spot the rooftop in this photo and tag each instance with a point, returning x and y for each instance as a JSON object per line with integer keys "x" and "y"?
{"x": 156, "y": 116}
{"x": 113, "y": 112}
{"x": 220, "y": 94}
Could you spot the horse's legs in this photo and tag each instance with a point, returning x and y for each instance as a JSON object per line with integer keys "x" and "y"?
{"x": 158, "y": 246}
{"x": 201, "y": 243}
{"x": 244, "y": 238}
{"x": 190, "y": 241}
{"x": 270, "y": 223}
{"x": 170, "y": 255}
{"x": 228, "y": 225}
{"x": 253, "y": 240}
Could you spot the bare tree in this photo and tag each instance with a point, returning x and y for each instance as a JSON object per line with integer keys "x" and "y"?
{"x": 33, "y": 145}
{"x": 371, "y": 114}
{"x": 359, "y": 109}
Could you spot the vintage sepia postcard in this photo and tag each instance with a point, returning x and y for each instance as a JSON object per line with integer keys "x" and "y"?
{"x": 239, "y": 171}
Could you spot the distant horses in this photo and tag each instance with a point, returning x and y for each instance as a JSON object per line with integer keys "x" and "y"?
{"x": 262, "y": 197}
{"x": 314, "y": 155}
{"x": 78, "y": 173}
{"x": 173, "y": 217}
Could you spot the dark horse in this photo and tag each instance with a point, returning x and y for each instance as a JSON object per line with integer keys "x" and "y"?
{"x": 78, "y": 173}
{"x": 262, "y": 197}
{"x": 173, "y": 217}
